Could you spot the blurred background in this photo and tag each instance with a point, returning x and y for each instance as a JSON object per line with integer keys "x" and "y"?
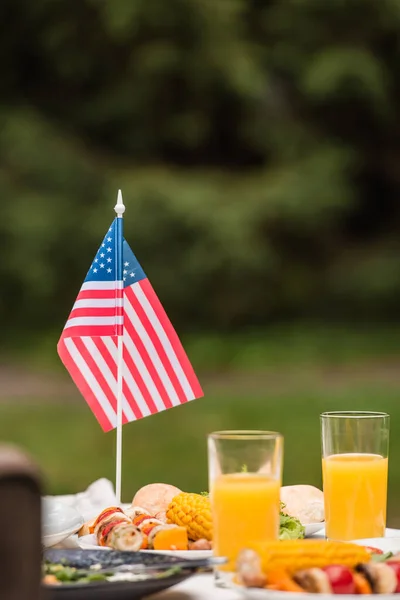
{"x": 257, "y": 145}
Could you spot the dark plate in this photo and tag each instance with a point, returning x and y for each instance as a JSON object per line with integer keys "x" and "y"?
{"x": 121, "y": 590}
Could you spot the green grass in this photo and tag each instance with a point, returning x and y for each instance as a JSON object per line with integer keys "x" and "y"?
{"x": 171, "y": 447}
{"x": 281, "y": 378}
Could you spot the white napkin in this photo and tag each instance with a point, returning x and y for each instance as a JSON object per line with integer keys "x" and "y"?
{"x": 98, "y": 496}
{"x": 86, "y": 542}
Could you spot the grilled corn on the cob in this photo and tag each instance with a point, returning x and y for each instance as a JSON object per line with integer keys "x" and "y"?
{"x": 294, "y": 555}
{"x": 192, "y": 511}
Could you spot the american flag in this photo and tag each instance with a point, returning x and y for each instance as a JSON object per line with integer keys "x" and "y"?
{"x": 157, "y": 373}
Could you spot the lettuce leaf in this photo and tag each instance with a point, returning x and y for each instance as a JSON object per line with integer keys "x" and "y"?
{"x": 289, "y": 527}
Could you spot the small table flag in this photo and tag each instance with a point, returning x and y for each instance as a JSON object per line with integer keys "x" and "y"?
{"x": 157, "y": 373}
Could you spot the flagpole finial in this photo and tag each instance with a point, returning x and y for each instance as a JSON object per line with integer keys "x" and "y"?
{"x": 119, "y": 207}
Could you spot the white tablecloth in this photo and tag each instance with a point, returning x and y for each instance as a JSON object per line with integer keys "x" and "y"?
{"x": 201, "y": 587}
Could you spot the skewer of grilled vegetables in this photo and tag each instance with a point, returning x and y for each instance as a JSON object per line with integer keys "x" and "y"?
{"x": 319, "y": 567}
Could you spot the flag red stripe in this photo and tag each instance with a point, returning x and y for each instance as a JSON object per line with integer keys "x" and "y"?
{"x": 157, "y": 344}
{"x": 95, "y": 370}
{"x": 125, "y": 389}
{"x": 172, "y": 336}
{"x": 112, "y": 365}
{"x": 96, "y": 312}
{"x": 90, "y": 331}
{"x": 83, "y": 386}
{"x": 131, "y": 400}
{"x": 140, "y": 383}
{"x": 100, "y": 294}
{"x": 146, "y": 358}
{"x": 107, "y": 355}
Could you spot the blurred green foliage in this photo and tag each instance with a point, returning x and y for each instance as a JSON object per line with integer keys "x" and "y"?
{"x": 256, "y": 144}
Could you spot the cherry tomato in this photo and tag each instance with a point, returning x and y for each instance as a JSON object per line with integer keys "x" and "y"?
{"x": 373, "y": 550}
{"x": 341, "y": 579}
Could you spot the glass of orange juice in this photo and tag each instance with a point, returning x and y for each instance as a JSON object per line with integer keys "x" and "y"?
{"x": 355, "y": 449}
{"x": 245, "y": 473}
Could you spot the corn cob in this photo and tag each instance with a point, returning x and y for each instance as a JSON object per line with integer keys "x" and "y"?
{"x": 192, "y": 511}
{"x": 294, "y": 555}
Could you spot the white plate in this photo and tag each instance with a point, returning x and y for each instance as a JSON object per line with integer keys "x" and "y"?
{"x": 386, "y": 544}
{"x": 190, "y": 554}
{"x": 88, "y": 542}
{"x": 59, "y": 521}
{"x": 389, "y": 533}
{"x": 260, "y": 594}
{"x": 313, "y": 528}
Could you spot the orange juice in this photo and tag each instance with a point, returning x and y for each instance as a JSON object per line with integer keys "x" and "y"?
{"x": 355, "y": 490}
{"x": 245, "y": 509}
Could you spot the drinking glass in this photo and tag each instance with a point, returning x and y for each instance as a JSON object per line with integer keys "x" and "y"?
{"x": 355, "y": 449}
{"x": 245, "y": 474}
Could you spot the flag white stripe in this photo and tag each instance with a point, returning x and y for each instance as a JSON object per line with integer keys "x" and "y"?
{"x": 91, "y": 321}
{"x": 98, "y": 303}
{"x": 112, "y": 348}
{"x": 136, "y": 393}
{"x": 91, "y": 380}
{"x": 102, "y": 285}
{"x": 145, "y": 375}
{"x": 152, "y": 352}
{"x": 166, "y": 344}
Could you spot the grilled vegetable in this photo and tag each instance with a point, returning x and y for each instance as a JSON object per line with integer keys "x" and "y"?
{"x": 295, "y": 555}
{"x": 104, "y": 530}
{"x": 139, "y": 519}
{"x": 147, "y": 524}
{"x": 381, "y": 577}
{"x": 200, "y": 545}
{"x": 125, "y": 537}
{"x": 373, "y": 550}
{"x": 171, "y": 538}
{"x": 136, "y": 511}
{"x": 192, "y": 511}
{"x": 361, "y": 584}
{"x": 109, "y": 514}
{"x": 249, "y": 569}
{"x": 314, "y": 581}
{"x": 395, "y": 566}
{"x": 281, "y": 580}
{"x": 341, "y": 579}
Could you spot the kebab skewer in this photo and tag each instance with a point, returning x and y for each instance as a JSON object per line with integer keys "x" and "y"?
{"x": 116, "y": 530}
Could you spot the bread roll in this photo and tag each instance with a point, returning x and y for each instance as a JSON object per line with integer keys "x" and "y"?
{"x": 304, "y": 502}
{"x": 155, "y": 498}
